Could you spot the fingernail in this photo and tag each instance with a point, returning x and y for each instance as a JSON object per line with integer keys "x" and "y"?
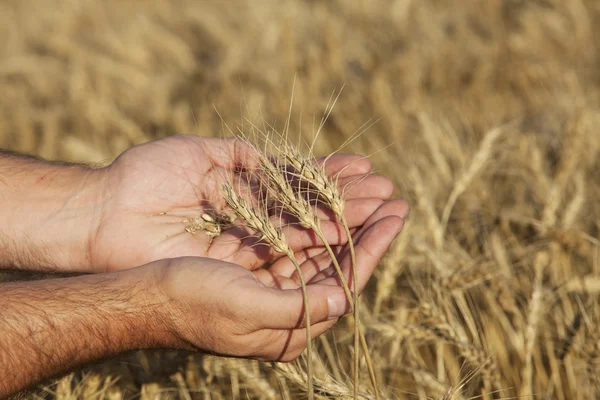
{"x": 337, "y": 305}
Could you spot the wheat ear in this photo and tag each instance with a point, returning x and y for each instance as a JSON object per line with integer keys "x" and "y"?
{"x": 293, "y": 201}
{"x": 260, "y": 223}
{"x": 331, "y": 196}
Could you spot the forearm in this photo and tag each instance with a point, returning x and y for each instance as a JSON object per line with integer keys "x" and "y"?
{"x": 51, "y": 326}
{"x": 46, "y": 213}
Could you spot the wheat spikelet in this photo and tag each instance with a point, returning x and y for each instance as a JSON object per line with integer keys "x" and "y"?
{"x": 256, "y": 221}
{"x": 290, "y": 199}
{"x": 150, "y": 391}
{"x": 441, "y": 333}
{"x": 549, "y": 213}
{"x": 500, "y": 254}
{"x": 571, "y": 157}
{"x": 531, "y": 332}
{"x": 252, "y": 378}
{"x": 424, "y": 202}
{"x": 404, "y": 332}
{"x": 183, "y": 390}
{"x": 325, "y": 389}
{"x": 478, "y": 162}
{"x": 91, "y": 386}
{"x": 64, "y": 389}
{"x": 392, "y": 268}
{"x": 466, "y": 278}
{"x": 315, "y": 176}
{"x": 576, "y": 204}
{"x": 423, "y": 378}
{"x": 431, "y": 134}
{"x": 589, "y": 284}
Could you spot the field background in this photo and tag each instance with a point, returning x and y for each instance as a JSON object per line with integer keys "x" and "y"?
{"x": 486, "y": 117}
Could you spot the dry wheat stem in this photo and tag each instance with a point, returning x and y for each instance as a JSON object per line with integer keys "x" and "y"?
{"x": 330, "y": 356}
{"x": 357, "y": 327}
{"x": 329, "y": 389}
{"x": 273, "y": 236}
{"x": 356, "y": 308}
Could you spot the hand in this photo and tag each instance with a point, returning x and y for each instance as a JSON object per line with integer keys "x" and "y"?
{"x": 223, "y": 308}
{"x": 151, "y": 191}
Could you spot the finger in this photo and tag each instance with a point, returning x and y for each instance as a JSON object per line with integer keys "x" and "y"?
{"x": 356, "y": 212}
{"x": 342, "y": 165}
{"x": 284, "y": 309}
{"x": 372, "y": 246}
{"x": 279, "y": 273}
{"x": 271, "y": 279}
{"x": 365, "y": 186}
{"x": 252, "y": 255}
{"x": 387, "y": 221}
{"x": 370, "y": 249}
{"x": 391, "y": 208}
{"x": 323, "y": 277}
{"x": 311, "y": 263}
{"x": 388, "y": 208}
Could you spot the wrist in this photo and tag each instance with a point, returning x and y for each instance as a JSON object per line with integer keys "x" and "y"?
{"x": 49, "y": 214}
{"x": 144, "y": 312}
{"x": 162, "y": 313}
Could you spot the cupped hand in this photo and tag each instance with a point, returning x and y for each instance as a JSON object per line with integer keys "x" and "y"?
{"x": 154, "y": 191}
{"x": 223, "y": 308}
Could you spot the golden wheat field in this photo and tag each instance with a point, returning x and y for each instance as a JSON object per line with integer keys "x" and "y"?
{"x": 485, "y": 113}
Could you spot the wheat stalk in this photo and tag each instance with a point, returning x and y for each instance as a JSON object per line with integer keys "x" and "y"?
{"x": 260, "y": 223}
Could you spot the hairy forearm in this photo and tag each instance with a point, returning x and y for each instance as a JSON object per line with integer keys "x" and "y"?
{"x": 50, "y": 326}
{"x": 46, "y": 213}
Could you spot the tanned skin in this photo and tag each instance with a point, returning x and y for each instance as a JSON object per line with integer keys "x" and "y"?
{"x": 190, "y": 292}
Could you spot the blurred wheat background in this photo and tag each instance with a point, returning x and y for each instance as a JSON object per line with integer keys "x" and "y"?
{"x": 484, "y": 112}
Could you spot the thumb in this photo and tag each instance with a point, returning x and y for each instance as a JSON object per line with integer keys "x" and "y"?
{"x": 284, "y": 309}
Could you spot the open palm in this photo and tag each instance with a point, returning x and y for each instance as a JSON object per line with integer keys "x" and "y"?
{"x": 154, "y": 190}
